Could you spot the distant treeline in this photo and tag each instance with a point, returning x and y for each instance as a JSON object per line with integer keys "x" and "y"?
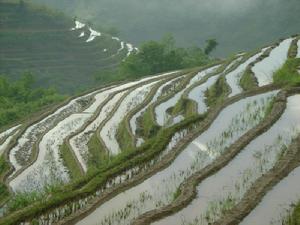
{"x": 20, "y": 98}
{"x": 160, "y": 56}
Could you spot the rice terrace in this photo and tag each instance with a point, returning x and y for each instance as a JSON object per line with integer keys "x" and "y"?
{"x": 95, "y": 130}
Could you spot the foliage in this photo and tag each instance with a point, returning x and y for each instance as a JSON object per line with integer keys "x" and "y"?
{"x": 160, "y": 56}
{"x": 19, "y": 99}
{"x": 97, "y": 155}
{"x": 217, "y": 92}
{"x": 211, "y": 45}
{"x": 4, "y": 167}
{"x": 248, "y": 80}
{"x": 288, "y": 74}
{"x": 69, "y": 161}
{"x": 294, "y": 217}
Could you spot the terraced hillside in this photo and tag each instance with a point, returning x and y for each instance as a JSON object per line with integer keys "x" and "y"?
{"x": 213, "y": 145}
{"x": 58, "y": 51}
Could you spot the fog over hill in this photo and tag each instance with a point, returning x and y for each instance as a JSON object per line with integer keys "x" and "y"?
{"x": 236, "y": 24}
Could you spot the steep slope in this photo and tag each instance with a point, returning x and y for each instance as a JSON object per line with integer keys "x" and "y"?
{"x": 91, "y": 160}
{"x": 237, "y": 25}
{"x": 44, "y": 43}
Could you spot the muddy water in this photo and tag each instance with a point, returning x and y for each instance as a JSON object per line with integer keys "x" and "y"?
{"x": 238, "y": 176}
{"x": 233, "y": 78}
{"x": 277, "y": 202}
{"x": 161, "y": 114}
{"x": 109, "y": 130}
{"x": 265, "y": 69}
{"x": 158, "y": 190}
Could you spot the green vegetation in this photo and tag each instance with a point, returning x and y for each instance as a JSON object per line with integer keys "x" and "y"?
{"x": 4, "y": 167}
{"x": 293, "y": 50}
{"x": 193, "y": 22}
{"x": 294, "y": 218}
{"x": 156, "y": 57}
{"x": 248, "y": 80}
{"x": 147, "y": 126}
{"x": 185, "y": 107}
{"x": 40, "y": 41}
{"x": 97, "y": 155}
{"x": 211, "y": 44}
{"x": 217, "y": 92}
{"x": 70, "y": 162}
{"x": 288, "y": 75}
{"x": 93, "y": 180}
{"x": 19, "y": 99}
{"x": 123, "y": 135}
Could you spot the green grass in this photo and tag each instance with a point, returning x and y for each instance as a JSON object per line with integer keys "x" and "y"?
{"x": 288, "y": 74}
{"x": 185, "y": 107}
{"x": 51, "y": 51}
{"x": 294, "y": 218}
{"x": 88, "y": 184}
{"x": 123, "y": 135}
{"x": 70, "y": 161}
{"x": 147, "y": 126}
{"x": 248, "y": 81}
{"x": 97, "y": 154}
{"x": 217, "y": 92}
{"x": 4, "y": 167}
{"x": 293, "y": 50}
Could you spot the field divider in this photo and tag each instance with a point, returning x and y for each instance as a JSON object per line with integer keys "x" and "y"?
{"x": 165, "y": 161}
{"x": 187, "y": 190}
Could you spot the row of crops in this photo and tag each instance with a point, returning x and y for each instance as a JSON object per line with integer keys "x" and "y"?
{"x": 213, "y": 145}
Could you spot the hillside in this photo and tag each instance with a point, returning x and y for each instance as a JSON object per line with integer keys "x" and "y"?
{"x": 218, "y": 144}
{"x": 43, "y": 42}
{"x": 238, "y": 25}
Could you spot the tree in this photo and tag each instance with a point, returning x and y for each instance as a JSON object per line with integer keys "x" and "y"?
{"x": 211, "y": 44}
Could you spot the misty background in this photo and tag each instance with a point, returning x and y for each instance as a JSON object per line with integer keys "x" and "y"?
{"x": 237, "y": 25}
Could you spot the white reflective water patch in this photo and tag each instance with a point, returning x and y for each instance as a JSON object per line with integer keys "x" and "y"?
{"x": 130, "y": 48}
{"x": 133, "y": 120}
{"x": 159, "y": 189}
{"x": 265, "y": 69}
{"x": 81, "y": 34}
{"x": 8, "y": 132}
{"x": 109, "y": 130}
{"x": 277, "y": 202}
{"x": 232, "y": 64}
{"x": 49, "y": 167}
{"x": 122, "y": 46}
{"x": 79, "y": 143}
{"x": 237, "y": 177}
{"x": 78, "y": 25}
{"x": 6, "y": 142}
{"x": 161, "y": 114}
{"x": 93, "y": 35}
{"x": 298, "y": 53}
{"x": 115, "y": 38}
{"x": 198, "y": 94}
{"x": 233, "y": 77}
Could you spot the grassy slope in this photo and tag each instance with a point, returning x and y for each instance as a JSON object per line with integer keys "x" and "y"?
{"x": 70, "y": 161}
{"x": 38, "y": 40}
